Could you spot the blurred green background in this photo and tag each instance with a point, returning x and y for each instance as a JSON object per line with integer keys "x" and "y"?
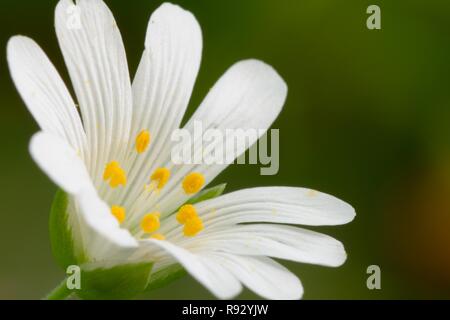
{"x": 366, "y": 119}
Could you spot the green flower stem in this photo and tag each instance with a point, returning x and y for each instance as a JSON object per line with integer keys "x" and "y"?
{"x": 60, "y": 292}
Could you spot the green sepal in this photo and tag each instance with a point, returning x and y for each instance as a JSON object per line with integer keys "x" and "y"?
{"x": 119, "y": 282}
{"x": 165, "y": 276}
{"x": 61, "y": 239}
{"x": 207, "y": 194}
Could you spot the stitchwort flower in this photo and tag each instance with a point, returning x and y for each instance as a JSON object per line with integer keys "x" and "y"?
{"x": 128, "y": 216}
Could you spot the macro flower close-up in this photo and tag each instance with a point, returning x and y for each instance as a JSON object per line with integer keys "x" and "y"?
{"x": 126, "y": 213}
{"x": 224, "y": 159}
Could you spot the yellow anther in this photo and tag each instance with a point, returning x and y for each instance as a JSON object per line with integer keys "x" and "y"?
{"x": 115, "y": 174}
{"x": 193, "y": 182}
{"x": 142, "y": 141}
{"x": 193, "y": 226}
{"x": 158, "y": 236}
{"x": 108, "y": 173}
{"x": 186, "y": 213}
{"x": 150, "y": 223}
{"x": 119, "y": 213}
{"x": 161, "y": 175}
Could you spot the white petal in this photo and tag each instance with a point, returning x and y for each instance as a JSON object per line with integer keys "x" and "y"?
{"x": 93, "y": 50}
{"x": 209, "y": 273}
{"x": 264, "y": 276}
{"x": 100, "y": 232}
{"x": 278, "y": 205}
{"x": 44, "y": 92}
{"x": 249, "y": 95}
{"x": 60, "y": 162}
{"x": 104, "y": 239}
{"x": 163, "y": 85}
{"x": 278, "y": 241}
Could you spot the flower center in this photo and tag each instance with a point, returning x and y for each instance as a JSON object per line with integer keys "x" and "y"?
{"x": 150, "y": 223}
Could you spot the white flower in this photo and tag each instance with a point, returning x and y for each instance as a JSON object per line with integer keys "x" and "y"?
{"x": 114, "y": 161}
